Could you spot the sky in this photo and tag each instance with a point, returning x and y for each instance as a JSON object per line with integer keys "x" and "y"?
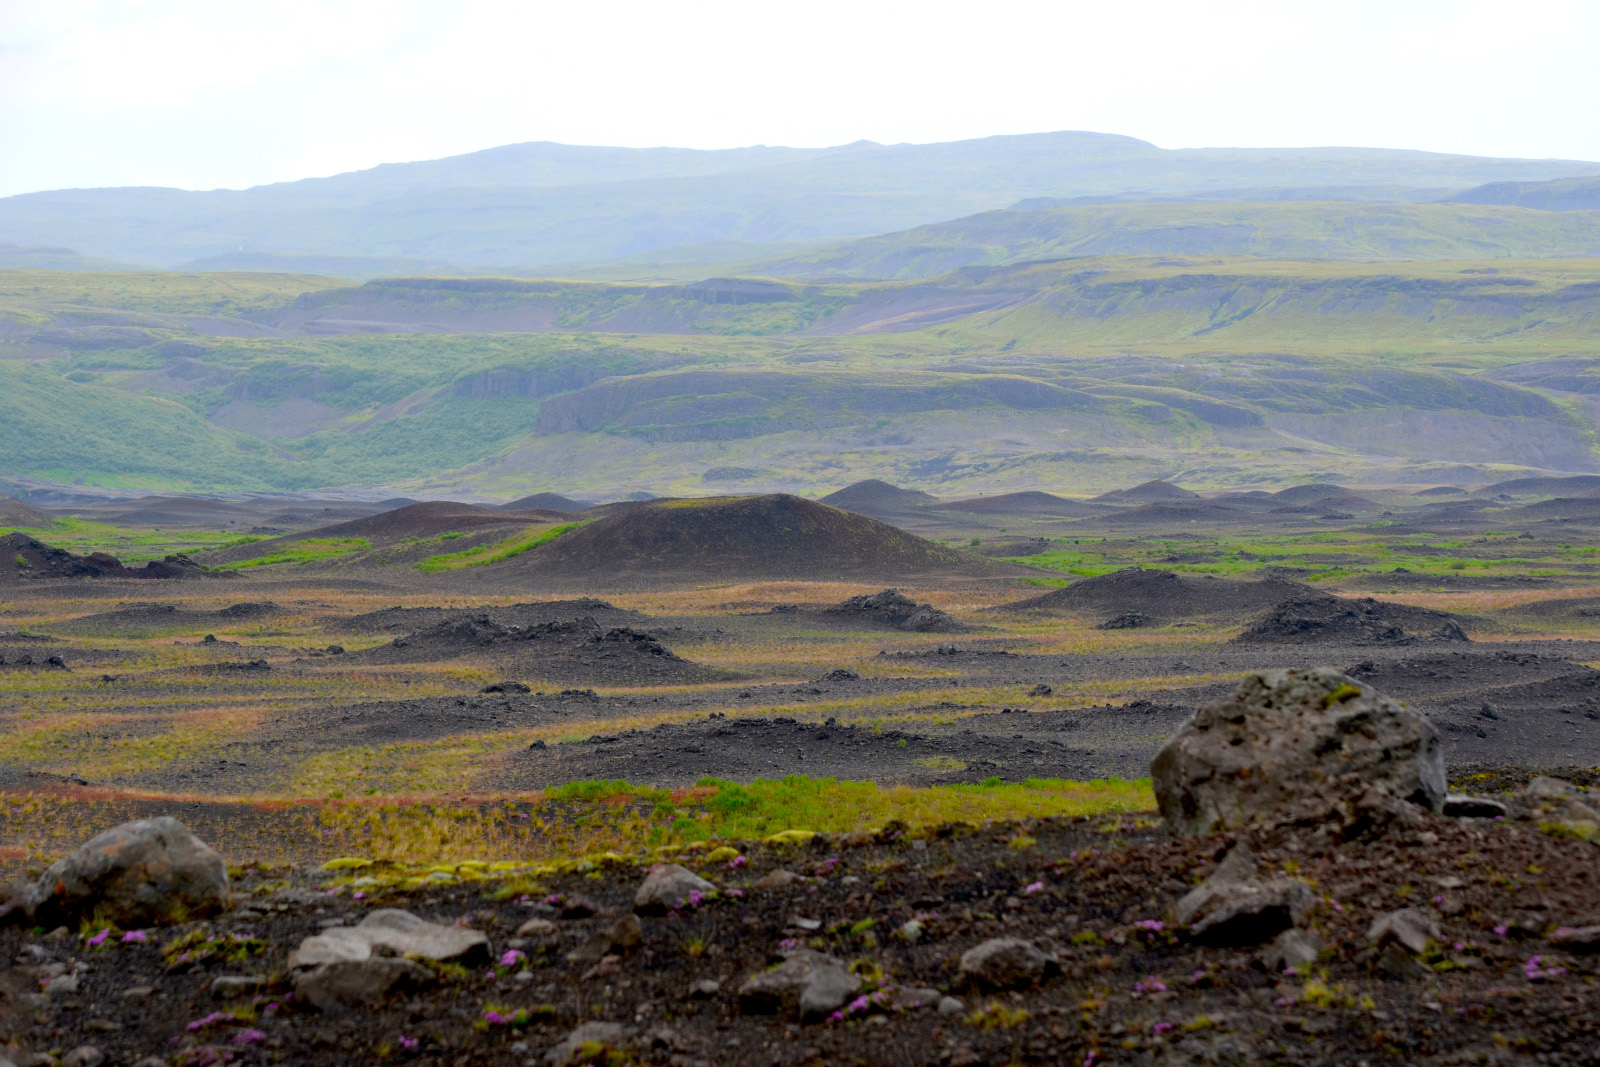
{"x": 229, "y": 93}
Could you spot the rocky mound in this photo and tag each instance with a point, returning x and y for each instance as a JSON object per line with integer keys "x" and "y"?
{"x": 1029, "y": 503}
{"x": 1155, "y": 491}
{"x": 736, "y": 539}
{"x": 14, "y": 512}
{"x": 577, "y": 649}
{"x": 426, "y": 519}
{"x": 23, "y": 558}
{"x": 1319, "y": 493}
{"x": 893, "y": 608}
{"x": 1440, "y": 490}
{"x": 1573, "y": 484}
{"x": 876, "y": 497}
{"x": 398, "y": 620}
{"x": 546, "y": 502}
{"x": 155, "y": 617}
{"x": 1157, "y": 597}
{"x": 1322, "y": 618}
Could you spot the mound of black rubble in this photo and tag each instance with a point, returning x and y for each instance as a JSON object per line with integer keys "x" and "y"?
{"x": 1315, "y": 618}
{"x": 893, "y": 608}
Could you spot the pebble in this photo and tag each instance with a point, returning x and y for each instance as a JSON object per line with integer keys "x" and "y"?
{"x": 707, "y": 987}
{"x": 951, "y": 1006}
{"x": 62, "y": 986}
{"x": 83, "y": 1056}
{"x": 138, "y": 992}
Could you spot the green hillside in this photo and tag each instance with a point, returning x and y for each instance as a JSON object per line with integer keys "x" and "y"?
{"x": 1072, "y": 374}
{"x": 1295, "y": 231}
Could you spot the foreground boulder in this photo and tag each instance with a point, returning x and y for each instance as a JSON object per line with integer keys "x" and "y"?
{"x": 137, "y": 874}
{"x": 807, "y": 983}
{"x": 1282, "y": 741}
{"x": 346, "y": 984}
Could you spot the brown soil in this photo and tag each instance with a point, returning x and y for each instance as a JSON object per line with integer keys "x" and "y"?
{"x": 1130, "y": 987}
{"x": 1164, "y": 596}
{"x": 764, "y": 537}
{"x": 1318, "y": 618}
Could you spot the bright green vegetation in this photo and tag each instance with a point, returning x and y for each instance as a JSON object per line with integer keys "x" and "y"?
{"x": 127, "y": 544}
{"x": 1328, "y": 556}
{"x": 311, "y": 550}
{"x": 516, "y": 545}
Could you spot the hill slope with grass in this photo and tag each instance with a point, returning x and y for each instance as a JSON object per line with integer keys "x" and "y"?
{"x": 1282, "y": 231}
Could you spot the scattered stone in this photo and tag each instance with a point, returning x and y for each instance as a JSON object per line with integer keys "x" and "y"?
{"x": 1546, "y": 788}
{"x": 668, "y": 886}
{"x": 1577, "y": 938}
{"x": 840, "y": 674}
{"x": 807, "y": 983}
{"x": 507, "y": 687}
{"x": 1127, "y": 620}
{"x": 777, "y": 879}
{"x": 1235, "y": 907}
{"x": 344, "y": 984}
{"x": 1462, "y": 806}
{"x": 64, "y": 985}
{"x": 607, "y": 967}
{"x": 626, "y": 933}
{"x": 1408, "y": 927}
{"x": 543, "y": 929}
{"x": 577, "y": 906}
{"x": 137, "y": 874}
{"x": 397, "y": 931}
{"x": 138, "y": 992}
{"x": 1006, "y": 963}
{"x": 1040, "y": 690}
{"x": 951, "y": 1006}
{"x": 570, "y": 1046}
{"x": 912, "y": 998}
{"x": 1292, "y": 950}
{"x": 705, "y": 989}
{"x": 894, "y": 608}
{"x": 1281, "y": 740}
{"x": 83, "y": 1056}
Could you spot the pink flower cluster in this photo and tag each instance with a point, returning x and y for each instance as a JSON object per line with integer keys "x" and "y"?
{"x": 249, "y": 1037}
{"x": 1150, "y": 985}
{"x": 216, "y": 1018}
{"x": 1161, "y": 1028}
{"x": 1537, "y": 971}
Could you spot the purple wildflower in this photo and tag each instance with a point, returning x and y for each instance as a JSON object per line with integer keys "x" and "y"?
{"x": 1150, "y": 985}
{"x": 512, "y": 958}
{"x": 359, "y": 894}
{"x": 1032, "y": 888}
{"x": 1161, "y": 1028}
{"x": 135, "y": 937}
{"x": 98, "y": 939}
{"x": 1153, "y": 926}
{"x": 409, "y": 1043}
{"x": 249, "y": 1037}
{"x": 1502, "y": 930}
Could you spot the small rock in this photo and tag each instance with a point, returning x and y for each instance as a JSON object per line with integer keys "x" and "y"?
{"x": 1577, "y": 938}
{"x": 1462, "y": 806}
{"x": 577, "y": 906}
{"x": 1005, "y": 963}
{"x": 62, "y": 986}
{"x": 507, "y": 687}
{"x": 538, "y": 929}
{"x": 1546, "y": 788}
{"x": 1291, "y": 950}
{"x": 151, "y": 1061}
{"x": 608, "y": 966}
{"x": 668, "y": 886}
{"x": 807, "y": 983}
{"x": 140, "y": 873}
{"x": 589, "y": 1033}
{"x": 911, "y": 998}
{"x": 1408, "y": 927}
{"x": 1233, "y": 907}
{"x": 705, "y": 989}
{"x": 626, "y": 933}
{"x": 951, "y": 1006}
{"x": 800, "y": 922}
{"x": 777, "y": 879}
{"x": 358, "y": 983}
{"x": 236, "y": 985}
{"x": 138, "y": 992}
{"x": 1040, "y": 690}
{"x": 83, "y": 1056}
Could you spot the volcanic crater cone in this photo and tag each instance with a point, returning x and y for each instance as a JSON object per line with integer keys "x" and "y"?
{"x": 771, "y": 537}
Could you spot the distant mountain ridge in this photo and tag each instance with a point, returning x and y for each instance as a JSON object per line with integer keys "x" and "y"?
{"x": 1562, "y": 194}
{"x": 543, "y": 204}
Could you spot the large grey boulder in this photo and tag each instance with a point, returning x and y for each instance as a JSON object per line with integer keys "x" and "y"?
{"x": 1282, "y": 741}
{"x": 394, "y": 932}
{"x": 137, "y": 874}
{"x": 807, "y": 983}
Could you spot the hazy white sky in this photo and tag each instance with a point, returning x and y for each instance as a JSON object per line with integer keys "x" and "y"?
{"x": 230, "y": 93}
